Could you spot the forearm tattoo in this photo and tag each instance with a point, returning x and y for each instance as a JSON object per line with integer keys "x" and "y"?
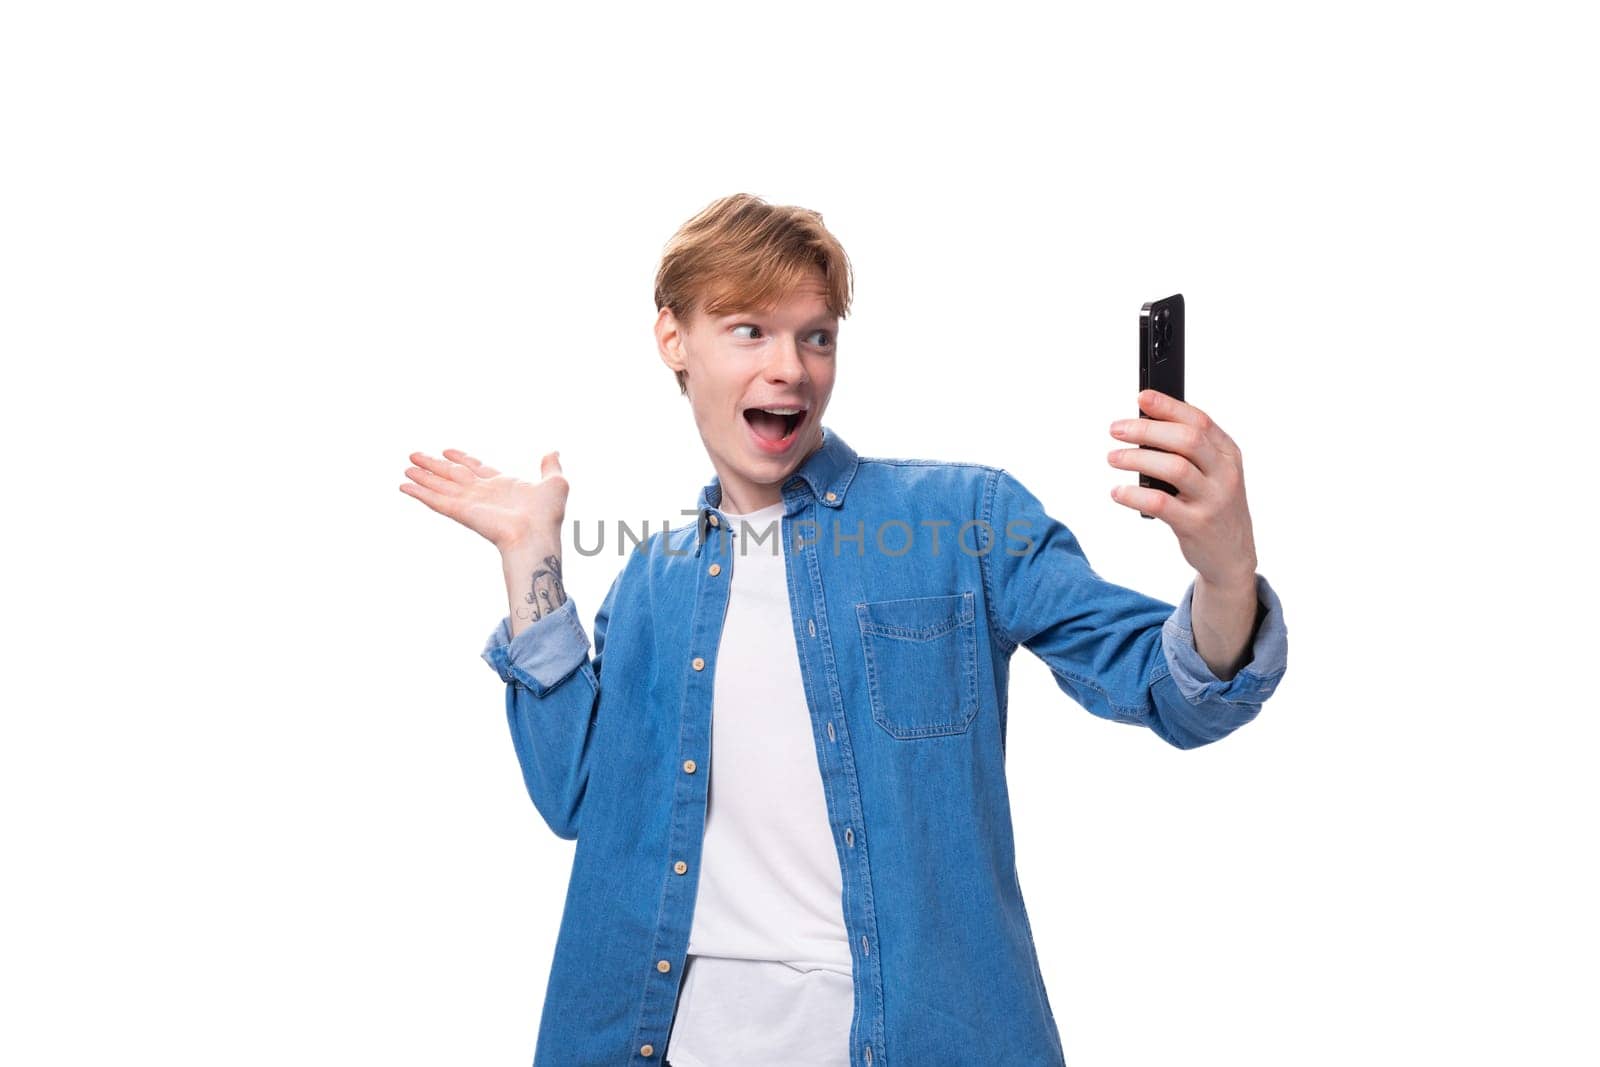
{"x": 545, "y": 593}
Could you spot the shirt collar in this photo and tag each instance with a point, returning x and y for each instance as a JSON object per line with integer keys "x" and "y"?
{"x": 826, "y": 473}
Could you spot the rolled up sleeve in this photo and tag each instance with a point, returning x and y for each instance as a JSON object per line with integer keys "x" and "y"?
{"x": 1251, "y": 684}
{"x": 544, "y": 654}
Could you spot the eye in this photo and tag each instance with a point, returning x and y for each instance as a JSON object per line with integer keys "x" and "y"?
{"x": 826, "y": 342}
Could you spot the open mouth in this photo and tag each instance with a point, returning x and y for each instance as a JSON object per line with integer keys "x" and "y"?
{"x": 774, "y": 425}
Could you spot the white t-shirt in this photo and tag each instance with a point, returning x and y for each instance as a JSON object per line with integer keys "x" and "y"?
{"x": 768, "y": 974}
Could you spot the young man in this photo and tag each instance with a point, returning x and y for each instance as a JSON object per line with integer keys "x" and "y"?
{"x": 787, "y": 784}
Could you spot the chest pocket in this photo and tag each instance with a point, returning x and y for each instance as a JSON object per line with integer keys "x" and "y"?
{"x": 922, "y": 663}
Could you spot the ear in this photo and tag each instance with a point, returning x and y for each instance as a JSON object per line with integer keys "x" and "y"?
{"x": 669, "y": 339}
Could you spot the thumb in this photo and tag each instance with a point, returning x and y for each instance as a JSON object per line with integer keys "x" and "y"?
{"x": 550, "y": 464}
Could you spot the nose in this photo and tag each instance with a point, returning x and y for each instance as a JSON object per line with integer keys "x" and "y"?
{"x": 784, "y": 364}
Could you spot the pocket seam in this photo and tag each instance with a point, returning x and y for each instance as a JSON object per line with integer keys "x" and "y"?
{"x": 933, "y": 629}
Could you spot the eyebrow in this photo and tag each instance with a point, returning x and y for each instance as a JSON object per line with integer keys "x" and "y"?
{"x": 825, "y": 319}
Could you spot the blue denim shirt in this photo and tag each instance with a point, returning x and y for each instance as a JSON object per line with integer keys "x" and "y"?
{"x": 911, "y": 584}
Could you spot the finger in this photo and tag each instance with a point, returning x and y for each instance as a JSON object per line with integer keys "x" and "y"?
{"x": 1182, "y": 438}
{"x": 1163, "y": 506}
{"x": 1168, "y": 466}
{"x": 444, "y": 505}
{"x": 550, "y": 464}
{"x": 481, "y": 469}
{"x": 454, "y": 472}
{"x": 429, "y": 480}
{"x": 1161, "y": 406}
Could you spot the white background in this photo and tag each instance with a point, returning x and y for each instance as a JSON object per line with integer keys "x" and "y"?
{"x": 260, "y": 802}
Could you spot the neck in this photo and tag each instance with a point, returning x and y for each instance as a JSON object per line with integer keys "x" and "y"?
{"x": 742, "y": 497}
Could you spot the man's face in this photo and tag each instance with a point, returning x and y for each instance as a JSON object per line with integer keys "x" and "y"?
{"x": 742, "y": 362}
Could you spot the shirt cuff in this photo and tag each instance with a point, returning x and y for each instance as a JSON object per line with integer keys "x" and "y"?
{"x": 543, "y": 654}
{"x": 1255, "y": 681}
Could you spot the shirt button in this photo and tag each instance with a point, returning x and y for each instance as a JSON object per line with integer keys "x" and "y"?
{"x": 680, "y": 866}
{"x": 869, "y": 1056}
{"x": 830, "y": 496}
{"x": 712, "y": 518}
{"x": 863, "y": 944}
{"x": 688, "y": 766}
{"x": 698, "y": 664}
{"x": 663, "y": 966}
{"x": 830, "y": 732}
{"x": 714, "y": 570}
{"x": 811, "y": 627}
{"x": 647, "y": 1050}
{"x": 849, "y": 837}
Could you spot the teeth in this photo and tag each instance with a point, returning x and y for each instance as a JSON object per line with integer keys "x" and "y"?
{"x": 782, "y": 411}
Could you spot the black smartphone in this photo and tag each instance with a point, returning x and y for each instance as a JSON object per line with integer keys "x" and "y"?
{"x": 1160, "y": 364}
